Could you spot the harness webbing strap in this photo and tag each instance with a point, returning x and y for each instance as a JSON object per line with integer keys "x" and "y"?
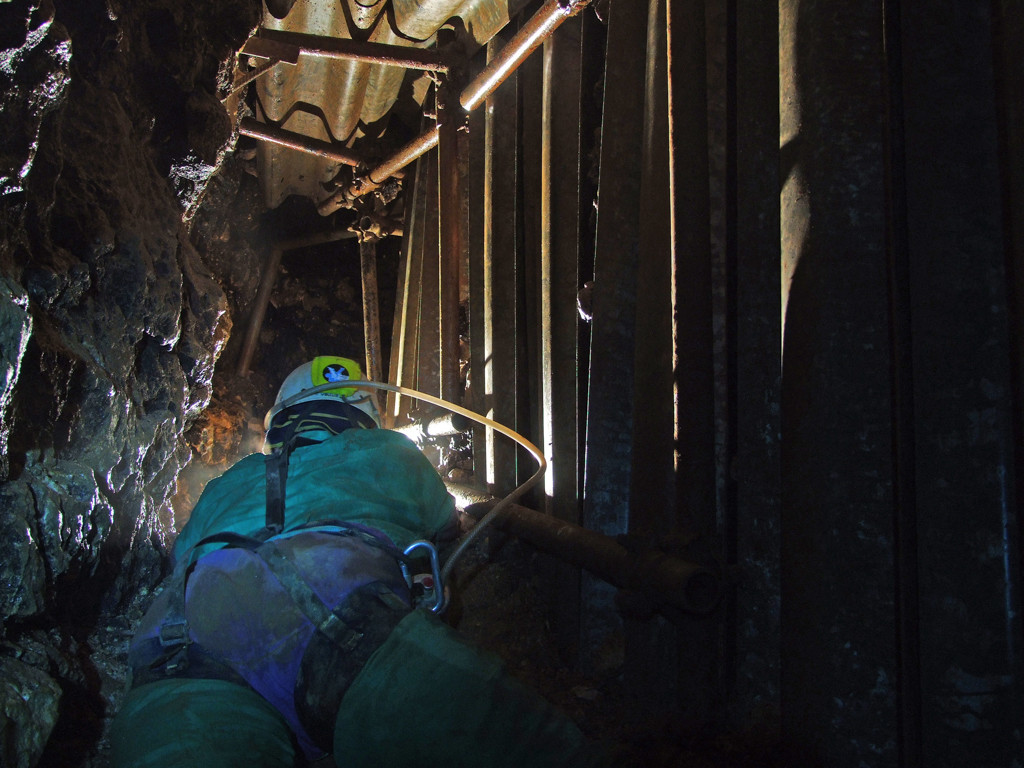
{"x": 290, "y": 429}
{"x": 151, "y": 662}
{"x": 277, "y": 477}
{"x": 331, "y": 623}
{"x": 173, "y": 636}
{"x": 328, "y": 670}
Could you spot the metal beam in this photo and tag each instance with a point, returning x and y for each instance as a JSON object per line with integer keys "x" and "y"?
{"x": 287, "y": 46}
{"x": 242, "y": 79}
{"x": 671, "y": 581}
{"x": 452, "y": 226}
{"x": 269, "y": 278}
{"x": 325, "y": 149}
{"x": 371, "y": 311}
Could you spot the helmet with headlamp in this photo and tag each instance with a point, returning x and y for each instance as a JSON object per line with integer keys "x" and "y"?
{"x": 307, "y": 393}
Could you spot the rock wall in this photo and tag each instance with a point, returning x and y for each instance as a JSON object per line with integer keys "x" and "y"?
{"x": 110, "y": 326}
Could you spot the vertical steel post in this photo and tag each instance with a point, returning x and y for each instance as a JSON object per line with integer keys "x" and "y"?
{"x": 1010, "y": 81}
{"x": 559, "y": 284}
{"x": 428, "y": 352}
{"x": 754, "y": 358}
{"x": 371, "y": 311}
{"x": 451, "y": 190}
{"x": 963, "y": 504}
{"x": 609, "y": 459}
{"x": 651, "y": 646}
{"x": 654, "y": 405}
{"x": 838, "y": 636}
{"x": 691, "y": 285}
{"x": 404, "y": 331}
{"x": 479, "y": 299}
{"x": 904, "y": 496}
{"x": 501, "y": 262}
{"x": 531, "y": 111}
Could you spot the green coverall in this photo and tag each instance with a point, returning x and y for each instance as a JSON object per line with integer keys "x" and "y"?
{"x": 425, "y": 697}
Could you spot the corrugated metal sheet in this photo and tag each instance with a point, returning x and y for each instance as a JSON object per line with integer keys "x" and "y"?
{"x": 344, "y": 101}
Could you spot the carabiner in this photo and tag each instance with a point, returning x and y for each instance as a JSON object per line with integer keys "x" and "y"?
{"x": 435, "y": 567}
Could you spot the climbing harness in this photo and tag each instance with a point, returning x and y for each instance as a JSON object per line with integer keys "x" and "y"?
{"x": 294, "y": 617}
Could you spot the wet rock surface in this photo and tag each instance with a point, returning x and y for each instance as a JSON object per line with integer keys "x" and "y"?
{"x": 110, "y": 327}
{"x": 29, "y": 705}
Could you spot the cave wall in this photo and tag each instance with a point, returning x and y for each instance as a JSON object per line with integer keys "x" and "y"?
{"x": 110, "y": 326}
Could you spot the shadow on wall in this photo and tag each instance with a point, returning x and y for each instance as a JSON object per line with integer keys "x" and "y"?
{"x": 900, "y": 562}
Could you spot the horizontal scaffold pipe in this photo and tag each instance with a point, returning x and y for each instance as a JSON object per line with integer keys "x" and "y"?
{"x": 325, "y": 149}
{"x": 287, "y": 46}
{"x": 524, "y": 42}
{"x": 540, "y": 26}
{"x": 669, "y": 580}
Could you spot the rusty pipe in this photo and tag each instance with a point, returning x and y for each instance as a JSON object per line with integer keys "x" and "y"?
{"x": 388, "y": 168}
{"x": 372, "y": 225}
{"x": 523, "y": 43}
{"x": 452, "y": 237}
{"x": 325, "y": 149}
{"x": 391, "y": 167}
{"x": 259, "y": 310}
{"x": 670, "y": 580}
{"x": 371, "y": 313}
{"x": 286, "y": 46}
{"x": 445, "y": 425}
{"x": 239, "y": 84}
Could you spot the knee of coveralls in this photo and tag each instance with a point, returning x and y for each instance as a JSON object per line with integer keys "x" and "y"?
{"x": 183, "y": 723}
{"x": 427, "y": 697}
